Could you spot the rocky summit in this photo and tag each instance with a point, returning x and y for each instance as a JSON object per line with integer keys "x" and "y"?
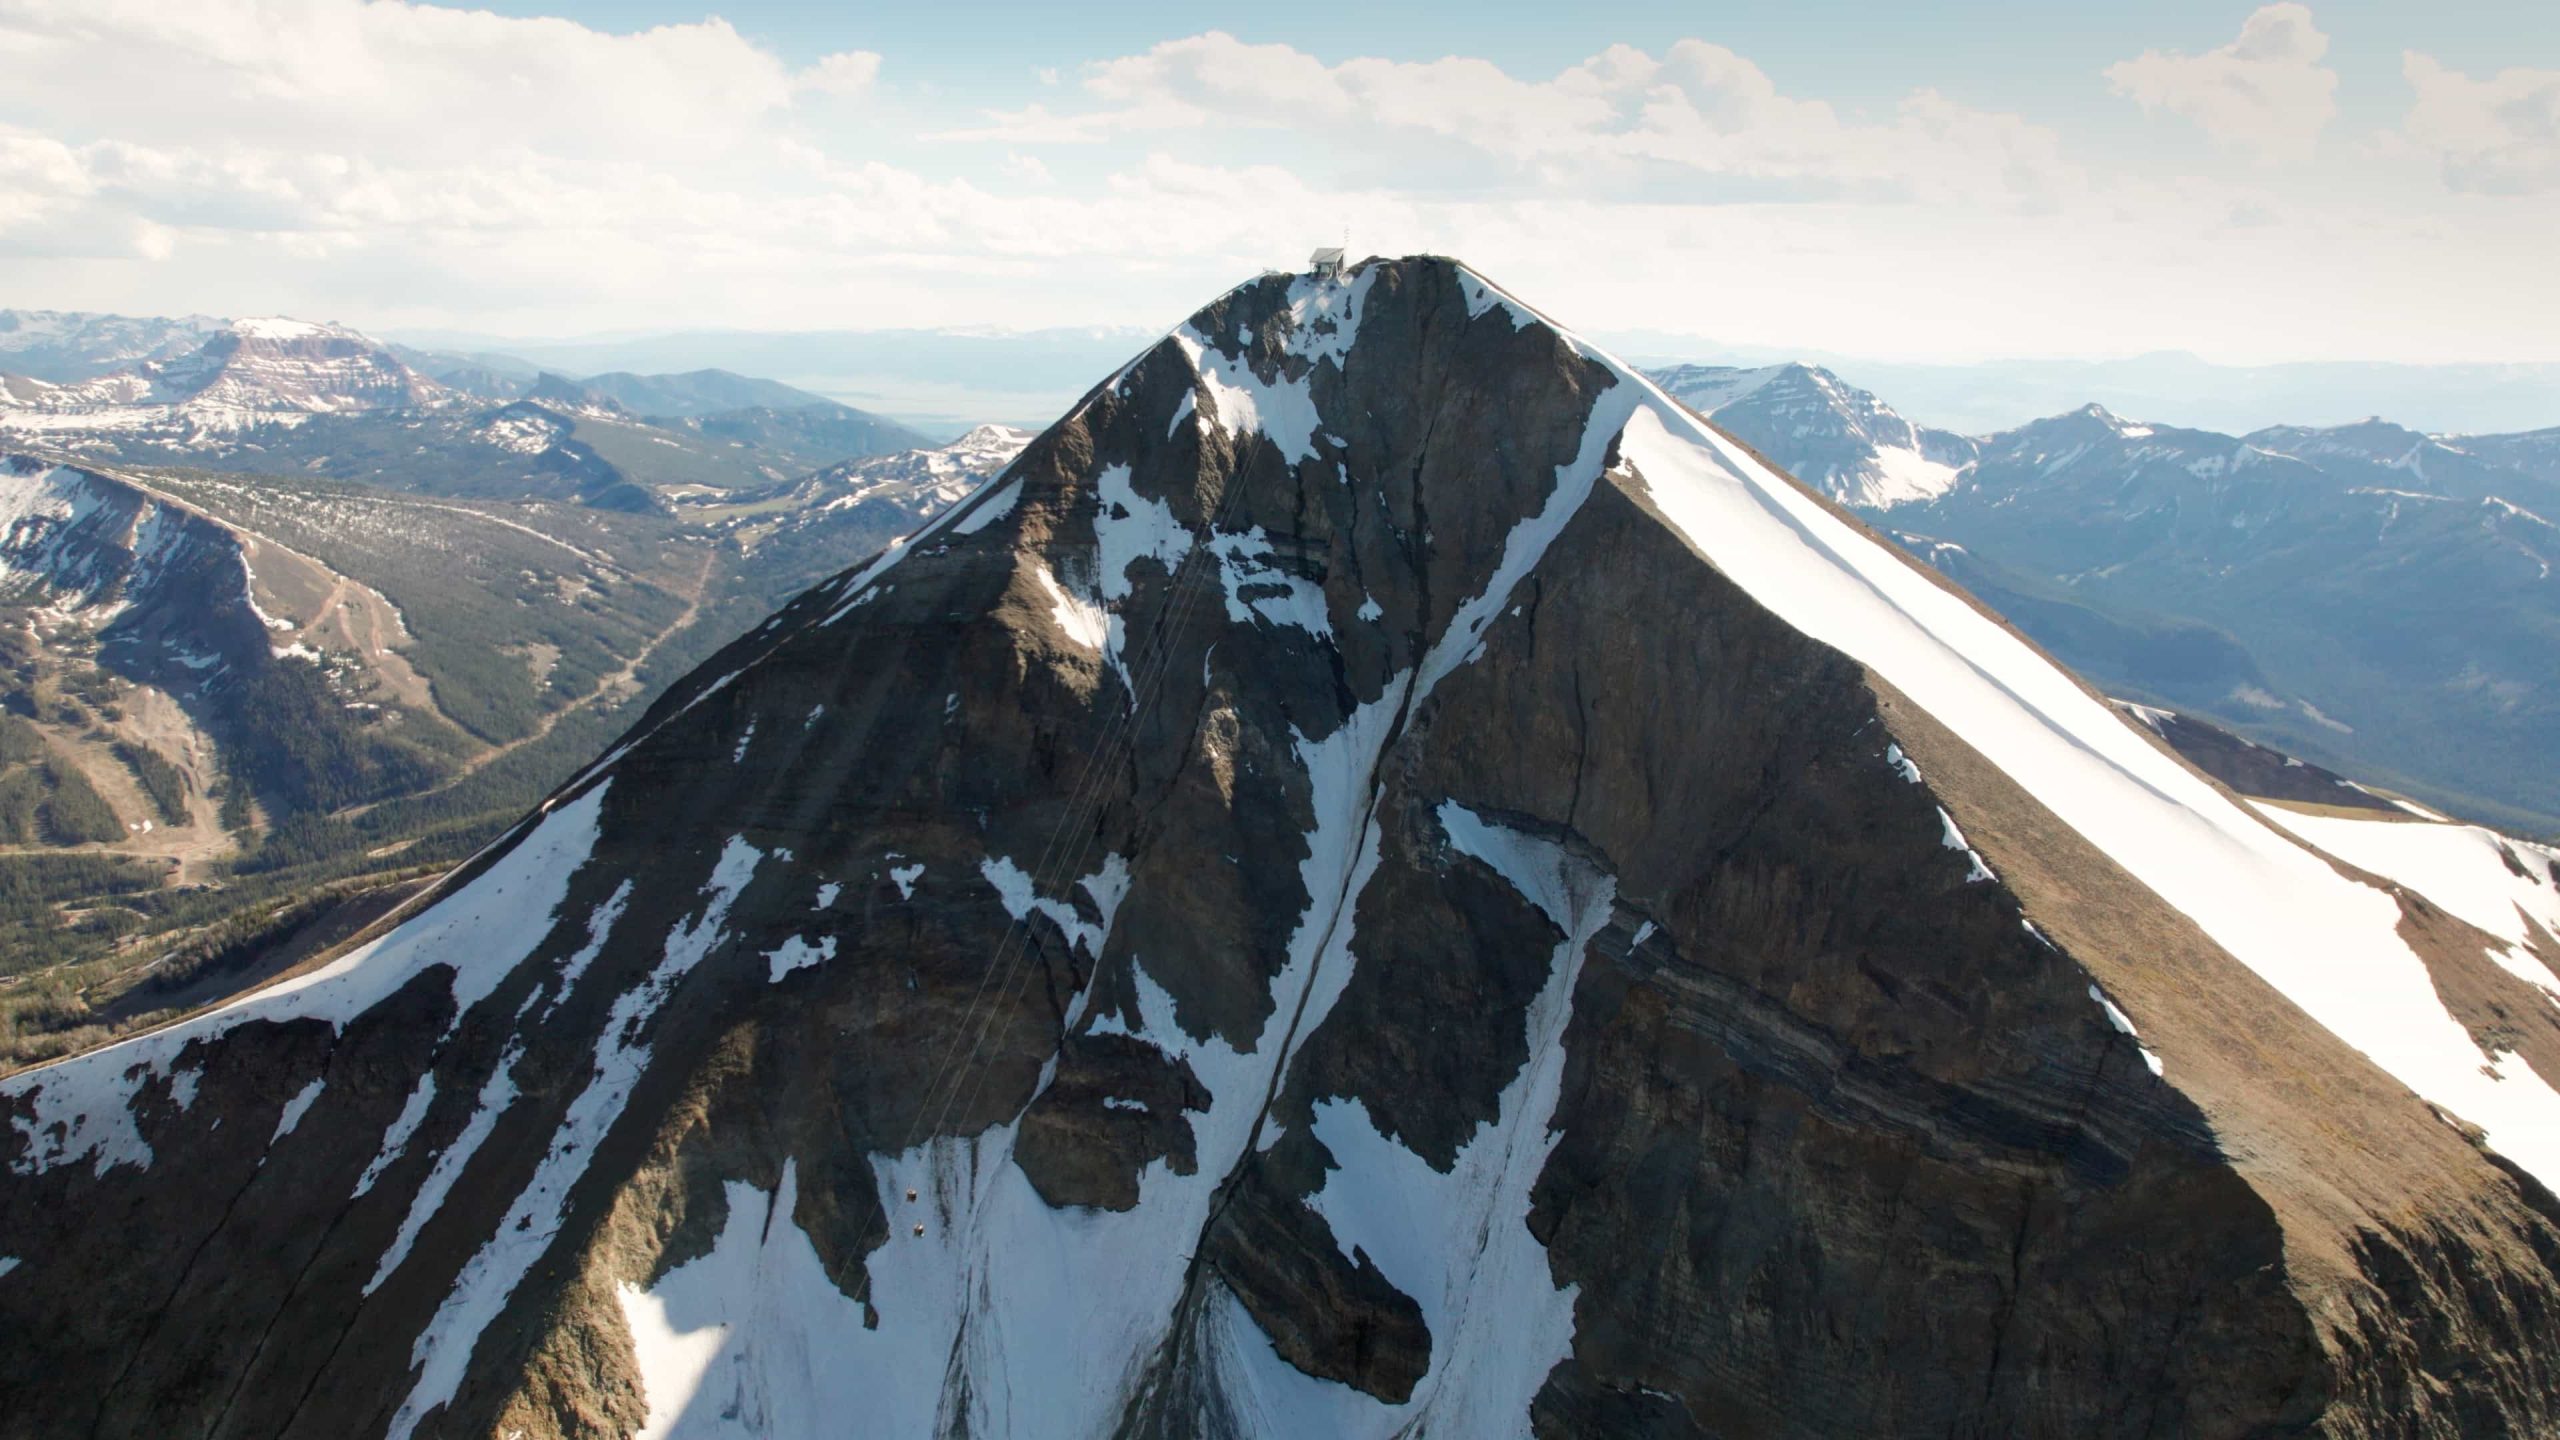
{"x": 1383, "y": 878}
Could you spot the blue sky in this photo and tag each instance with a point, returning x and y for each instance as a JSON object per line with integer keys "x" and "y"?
{"x": 1856, "y": 52}
{"x": 1955, "y": 181}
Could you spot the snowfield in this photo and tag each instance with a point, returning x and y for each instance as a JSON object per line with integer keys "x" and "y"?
{"x": 2500, "y": 884}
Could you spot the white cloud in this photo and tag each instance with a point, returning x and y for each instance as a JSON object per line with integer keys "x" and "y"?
{"x": 847, "y": 72}
{"x": 396, "y": 164}
{"x": 1672, "y": 126}
{"x": 2265, "y": 93}
{"x": 2495, "y": 136}
{"x": 390, "y": 80}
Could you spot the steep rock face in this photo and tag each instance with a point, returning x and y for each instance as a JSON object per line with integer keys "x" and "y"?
{"x": 1380, "y": 879}
{"x": 291, "y": 365}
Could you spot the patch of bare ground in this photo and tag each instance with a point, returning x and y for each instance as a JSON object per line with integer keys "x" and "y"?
{"x": 150, "y": 718}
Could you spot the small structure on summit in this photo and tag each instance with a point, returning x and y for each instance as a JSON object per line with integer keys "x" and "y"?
{"x": 1326, "y": 263}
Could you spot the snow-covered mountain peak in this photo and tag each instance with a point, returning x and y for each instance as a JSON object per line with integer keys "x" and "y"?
{"x": 247, "y": 372}
{"x": 1005, "y": 441}
{"x": 1831, "y": 434}
{"x": 278, "y": 327}
{"x": 1381, "y": 877}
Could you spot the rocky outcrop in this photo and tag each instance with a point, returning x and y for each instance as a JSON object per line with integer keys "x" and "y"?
{"x": 1379, "y": 879}
{"x": 2250, "y": 768}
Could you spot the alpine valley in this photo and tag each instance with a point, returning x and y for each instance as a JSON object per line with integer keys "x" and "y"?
{"x": 289, "y": 625}
{"x": 1382, "y": 877}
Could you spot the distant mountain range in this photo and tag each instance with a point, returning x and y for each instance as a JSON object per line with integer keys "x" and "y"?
{"x": 2357, "y": 592}
{"x": 2169, "y": 387}
{"x": 945, "y": 380}
{"x": 287, "y": 621}
{"x": 244, "y": 374}
{"x": 276, "y": 394}
{"x": 691, "y": 394}
{"x": 940, "y": 380}
{"x": 67, "y": 346}
{"x": 2364, "y": 593}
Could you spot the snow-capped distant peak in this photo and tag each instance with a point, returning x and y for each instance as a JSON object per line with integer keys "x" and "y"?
{"x": 278, "y": 327}
{"x": 2129, "y": 429}
{"x": 992, "y": 437}
{"x": 1709, "y": 388}
{"x": 1826, "y": 432}
{"x": 264, "y": 369}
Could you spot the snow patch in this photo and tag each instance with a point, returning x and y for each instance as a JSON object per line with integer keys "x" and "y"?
{"x": 404, "y": 1126}
{"x": 489, "y": 1279}
{"x": 1902, "y": 765}
{"x": 996, "y": 507}
{"x": 1256, "y": 587}
{"x": 600, "y": 923}
{"x": 2468, "y": 871}
{"x": 1080, "y": 619}
{"x": 798, "y": 954}
{"x": 1953, "y": 839}
{"x": 732, "y": 1342}
{"x": 296, "y": 1108}
{"x": 1107, "y": 886}
{"x": 497, "y": 1096}
{"x": 2124, "y": 1027}
{"x": 1906, "y": 477}
{"x": 1129, "y": 527}
{"x": 1322, "y": 325}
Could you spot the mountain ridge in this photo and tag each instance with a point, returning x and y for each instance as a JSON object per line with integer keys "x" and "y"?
{"x": 1514, "y": 1069}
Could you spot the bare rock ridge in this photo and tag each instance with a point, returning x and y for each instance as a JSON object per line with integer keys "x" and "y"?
{"x": 1382, "y": 878}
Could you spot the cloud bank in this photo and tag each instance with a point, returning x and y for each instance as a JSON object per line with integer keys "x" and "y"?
{"x": 396, "y": 163}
